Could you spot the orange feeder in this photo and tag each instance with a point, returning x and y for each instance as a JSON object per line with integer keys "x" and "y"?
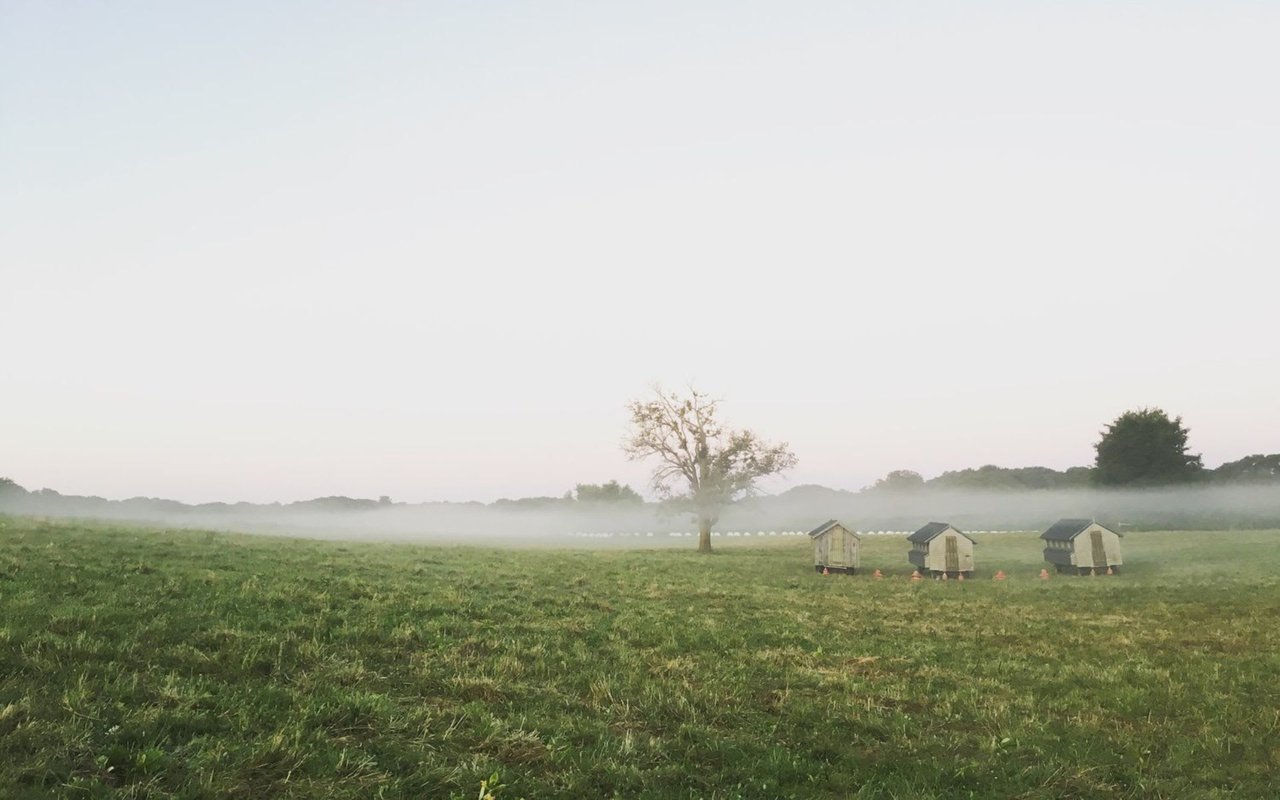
{"x": 1000, "y": 575}
{"x": 915, "y": 576}
{"x": 1044, "y": 574}
{"x": 826, "y": 571}
{"x": 879, "y": 574}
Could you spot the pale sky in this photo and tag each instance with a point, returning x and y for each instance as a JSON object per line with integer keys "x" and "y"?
{"x": 272, "y": 251}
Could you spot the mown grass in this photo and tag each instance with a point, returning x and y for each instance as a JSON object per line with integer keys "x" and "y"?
{"x": 147, "y": 663}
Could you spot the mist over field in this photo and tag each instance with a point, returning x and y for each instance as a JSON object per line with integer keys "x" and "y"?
{"x": 558, "y": 521}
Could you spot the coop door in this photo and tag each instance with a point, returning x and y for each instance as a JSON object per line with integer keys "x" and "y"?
{"x": 953, "y": 554}
{"x": 1099, "y": 551}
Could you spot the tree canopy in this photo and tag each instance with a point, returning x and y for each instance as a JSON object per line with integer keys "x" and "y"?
{"x": 1250, "y": 469}
{"x": 702, "y": 465}
{"x": 899, "y": 480}
{"x": 1145, "y": 448}
{"x": 1011, "y": 478}
{"x": 9, "y": 487}
{"x": 989, "y": 477}
{"x": 611, "y": 493}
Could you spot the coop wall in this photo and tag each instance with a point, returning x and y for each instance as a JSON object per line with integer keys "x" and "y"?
{"x": 837, "y": 547}
{"x": 919, "y": 555}
{"x": 936, "y": 559}
{"x": 1060, "y": 551}
{"x": 1084, "y": 547}
{"x": 849, "y": 550}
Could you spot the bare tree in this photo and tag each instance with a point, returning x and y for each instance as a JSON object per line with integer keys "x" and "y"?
{"x": 702, "y": 465}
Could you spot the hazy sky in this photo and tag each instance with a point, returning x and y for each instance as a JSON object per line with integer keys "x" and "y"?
{"x": 279, "y": 250}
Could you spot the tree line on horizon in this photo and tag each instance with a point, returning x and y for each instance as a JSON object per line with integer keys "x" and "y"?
{"x": 1250, "y": 469}
{"x": 584, "y": 495}
{"x": 1140, "y": 449}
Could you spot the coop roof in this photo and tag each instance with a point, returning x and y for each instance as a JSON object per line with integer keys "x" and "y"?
{"x": 931, "y": 530}
{"x": 824, "y": 527}
{"x": 1067, "y": 529}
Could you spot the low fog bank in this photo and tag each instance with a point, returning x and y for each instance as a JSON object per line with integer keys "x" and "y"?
{"x": 552, "y": 520}
{"x": 1205, "y": 507}
{"x": 437, "y": 522}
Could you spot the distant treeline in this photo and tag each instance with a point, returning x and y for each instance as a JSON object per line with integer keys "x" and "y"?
{"x": 1239, "y": 494}
{"x": 1255, "y": 469}
{"x": 18, "y": 500}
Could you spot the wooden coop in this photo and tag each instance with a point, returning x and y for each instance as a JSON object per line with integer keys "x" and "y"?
{"x": 941, "y": 549}
{"x": 1082, "y": 547}
{"x": 835, "y": 548}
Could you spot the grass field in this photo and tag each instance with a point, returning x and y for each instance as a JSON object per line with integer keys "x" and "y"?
{"x": 149, "y": 663}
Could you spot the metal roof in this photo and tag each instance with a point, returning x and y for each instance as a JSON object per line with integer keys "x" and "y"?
{"x": 824, "y": 527}
{"x": 828, "y": 525}
{"x": 931, "y": 530}
{"x": 1064, "y": 530}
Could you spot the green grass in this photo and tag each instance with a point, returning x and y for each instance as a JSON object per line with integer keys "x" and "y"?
{"x": 147, "y": 663}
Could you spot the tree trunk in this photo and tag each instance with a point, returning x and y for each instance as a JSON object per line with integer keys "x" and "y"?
{"x": 704, "y": 534}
